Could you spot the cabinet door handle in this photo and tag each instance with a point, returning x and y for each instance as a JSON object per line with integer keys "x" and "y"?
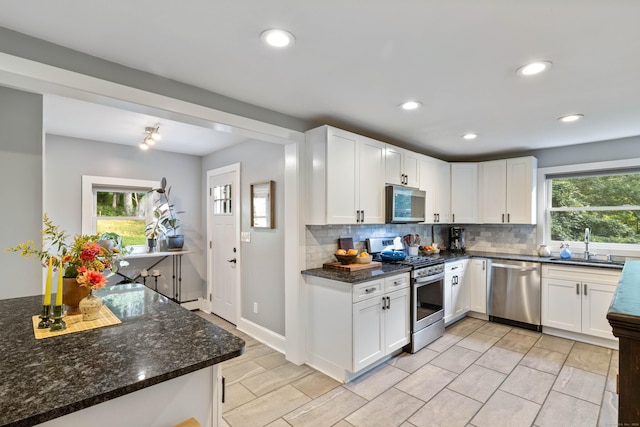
{"x": 502, "y": 217}
{"x": 585, "y": 289}
{"x": 453, "y": 217}
{"x": 362, "y": 216}
{"x": 577, "y": 288}
{"x": 223, "y": 389}
{"x": 384, "y": 303}
{"x": 483, "y": 265}
{"x": 438, "y": 217}
{"x": 388, "y": 303}
{"x": 435, "y": 217}
{"x": 508, "y": 217}
{"x": 369, "y": 290}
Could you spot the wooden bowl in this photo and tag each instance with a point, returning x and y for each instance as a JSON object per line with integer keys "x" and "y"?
{"x": 364, "y": 259}
{"x": 345, "y": 259}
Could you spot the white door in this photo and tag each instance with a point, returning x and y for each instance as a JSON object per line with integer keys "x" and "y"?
{"x": 596, "y": 299}
{"x": 368, "y": 332}
{"x": 562, "y": 304}
{"x": 397, "y": 320}
{"x": 224, "y": 195}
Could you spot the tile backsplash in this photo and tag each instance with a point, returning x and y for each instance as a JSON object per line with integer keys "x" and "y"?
{"x": 322, "y": 240}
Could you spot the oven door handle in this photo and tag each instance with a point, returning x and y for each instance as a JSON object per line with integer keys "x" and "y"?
{"x": 428, "y": 279}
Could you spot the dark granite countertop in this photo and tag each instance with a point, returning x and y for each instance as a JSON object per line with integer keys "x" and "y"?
{"x": 158, "y": 340}
{"x": 360, "y": 276}
{"x": 388, "y": 269}
{"x": 625, "y": 305}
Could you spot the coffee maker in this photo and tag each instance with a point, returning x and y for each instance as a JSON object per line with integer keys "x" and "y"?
{"x": 456, "y": 239}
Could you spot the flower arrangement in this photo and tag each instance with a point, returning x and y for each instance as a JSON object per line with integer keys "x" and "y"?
{"x": 83, "y": 259}
{"x": 564, "y": 245}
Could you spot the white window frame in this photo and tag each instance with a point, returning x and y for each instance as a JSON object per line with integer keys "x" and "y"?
{"x": 92, "y": 184}
{"x": 544, "y": 215}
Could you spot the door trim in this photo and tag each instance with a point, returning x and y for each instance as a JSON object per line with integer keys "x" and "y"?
{"x": 236, "y": 206}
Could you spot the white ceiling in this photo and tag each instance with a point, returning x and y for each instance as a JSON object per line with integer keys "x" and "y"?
{"x": 354, "y": 61}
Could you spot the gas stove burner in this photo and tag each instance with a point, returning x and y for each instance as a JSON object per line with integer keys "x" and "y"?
{"x": 420, "y": 261}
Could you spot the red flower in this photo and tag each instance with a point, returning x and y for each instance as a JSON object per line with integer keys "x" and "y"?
{"x": 89, "y": 251}
{"x": 92, "y": 279}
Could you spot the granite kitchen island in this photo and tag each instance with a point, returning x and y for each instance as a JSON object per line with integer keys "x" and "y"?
{"x": 158, "y": 367}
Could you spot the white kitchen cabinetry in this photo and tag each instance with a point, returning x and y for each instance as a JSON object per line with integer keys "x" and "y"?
{"x": 350, "y": 327}
{"x": 508, "y": 191}
{"x": 477, "y": 281}
{"x": 577, "y": 299}
{"x": 435, "y": 180}
{"x": 456, "y": 291}
{"x": 464, "y": 193}
{"x": 346, "y": 177}
{"x": 401, "y": 166}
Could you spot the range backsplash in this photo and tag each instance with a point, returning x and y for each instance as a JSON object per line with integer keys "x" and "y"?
{"x": 322, "y": 240}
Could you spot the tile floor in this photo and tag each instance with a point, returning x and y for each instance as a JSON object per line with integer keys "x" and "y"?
{"x": 478, "y": 374}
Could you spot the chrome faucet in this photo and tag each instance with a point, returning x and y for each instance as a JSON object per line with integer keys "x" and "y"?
{"x": 586, "y": 244}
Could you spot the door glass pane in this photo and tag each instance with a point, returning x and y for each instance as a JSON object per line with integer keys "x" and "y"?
{"x": 222, "y": 199}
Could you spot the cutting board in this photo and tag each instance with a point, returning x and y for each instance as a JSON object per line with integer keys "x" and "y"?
{"x": 351, "y": 267}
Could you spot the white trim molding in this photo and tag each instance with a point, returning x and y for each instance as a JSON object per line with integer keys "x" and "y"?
{"x": 262, "y": 334}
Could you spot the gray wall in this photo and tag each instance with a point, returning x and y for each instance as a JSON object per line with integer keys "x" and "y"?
{"x": 616, "y": 149}
{"x": 20, "y": 189}
{"x": 262, "y": 259}
{"x": 67, "y": 159}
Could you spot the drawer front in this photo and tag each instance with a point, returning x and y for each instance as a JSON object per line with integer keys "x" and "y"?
{"x": 394, "y": 283}
{"x": 366, "y": 290}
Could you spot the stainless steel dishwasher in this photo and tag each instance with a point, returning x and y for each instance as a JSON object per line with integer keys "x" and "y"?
{"x": 514, "y": 293}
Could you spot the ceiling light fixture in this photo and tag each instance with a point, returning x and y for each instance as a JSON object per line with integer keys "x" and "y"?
{"x": 534, "y": 68}
{"x": 277, "y": 38}
{"x": 470, "y": 136}
{"x": 411, "y": 105}
{"x": 570, "y": 118}
{"x": 152, "y": 134}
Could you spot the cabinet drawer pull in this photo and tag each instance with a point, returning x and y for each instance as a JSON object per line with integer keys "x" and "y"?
{"x": 398, "y": 282}
{"x": 369, "y": 290}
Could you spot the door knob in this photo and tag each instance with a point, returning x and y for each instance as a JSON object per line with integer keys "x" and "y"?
{"x": 232, "y": 260}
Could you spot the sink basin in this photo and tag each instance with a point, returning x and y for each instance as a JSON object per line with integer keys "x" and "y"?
{"x": 590, "y": 261}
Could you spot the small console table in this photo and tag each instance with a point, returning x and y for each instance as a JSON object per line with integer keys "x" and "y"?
{"x": 156, "y": 258}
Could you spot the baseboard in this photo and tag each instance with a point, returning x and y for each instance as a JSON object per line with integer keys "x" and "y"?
{"x": 191, "y": 305}
{"x": 602, "y": 342}
{"x": 262, "y": 334}
{"x": 203, "y": 305}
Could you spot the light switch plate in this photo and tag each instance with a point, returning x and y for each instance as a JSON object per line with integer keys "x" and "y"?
{"x": 245, "y": 237}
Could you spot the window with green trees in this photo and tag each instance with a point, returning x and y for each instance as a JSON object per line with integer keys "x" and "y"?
{"x": 122, "y": 212}
{"x": 606, "y": 203}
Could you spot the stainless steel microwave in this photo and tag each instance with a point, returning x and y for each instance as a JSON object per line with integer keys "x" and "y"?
{"x": 404, "y": 204}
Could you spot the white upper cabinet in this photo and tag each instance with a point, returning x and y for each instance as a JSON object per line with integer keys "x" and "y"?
{"x": 401, "y": 167}
{"x": 508, "y": 191}
{"x": 464, "y": 193}
{"x": 346, "y": 177}
{"x": 435, "y": 180}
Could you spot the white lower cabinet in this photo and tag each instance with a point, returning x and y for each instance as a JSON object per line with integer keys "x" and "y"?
{"x": 352, "y": 326}
{"x": 456, "y": 291}
{"x": 477, "y": 280}
{"x": 577, "y": 299}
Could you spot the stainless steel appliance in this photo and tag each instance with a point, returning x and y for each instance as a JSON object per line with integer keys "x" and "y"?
{"x": 514, "y": 293}
{"x": 404, "y": 204}
{"x": 427, "y": 293}
{"x": 456, "y": 239}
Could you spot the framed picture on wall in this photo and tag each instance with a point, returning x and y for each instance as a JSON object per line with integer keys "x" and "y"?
{"x": 262, "y": 205}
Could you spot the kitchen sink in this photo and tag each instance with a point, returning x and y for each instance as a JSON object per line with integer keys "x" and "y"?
{"x": 589, "y": 261}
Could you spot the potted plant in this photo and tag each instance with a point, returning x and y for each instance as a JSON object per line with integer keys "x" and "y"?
{"x": 154, "y": 231}
{"x": 82, "y": 260}
{"x": 166, "y": 220}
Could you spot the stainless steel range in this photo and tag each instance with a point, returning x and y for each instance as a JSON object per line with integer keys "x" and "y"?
{"x": 427, "y": 293}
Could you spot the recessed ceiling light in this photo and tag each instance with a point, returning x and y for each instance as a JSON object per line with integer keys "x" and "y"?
{"x": 470, "y": 136}
{"x": 277, "y": 38}
{"x": 534, "y": 68}
{"x": 411, "y": 105}
{"x": 571, "y": 118}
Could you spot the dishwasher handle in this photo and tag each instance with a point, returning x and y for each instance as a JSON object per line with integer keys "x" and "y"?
{"x": 513, "y": 267}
